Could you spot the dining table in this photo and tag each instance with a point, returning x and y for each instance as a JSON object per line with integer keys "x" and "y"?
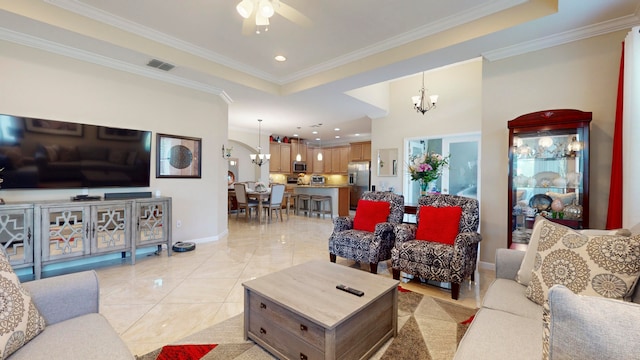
{"x": 261, "y": 197}
{"x": 264, "y": 196}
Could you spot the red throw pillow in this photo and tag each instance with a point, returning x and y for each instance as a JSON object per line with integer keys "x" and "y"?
{"x": 369, "y": 213}
{"x": 440, "y": 224}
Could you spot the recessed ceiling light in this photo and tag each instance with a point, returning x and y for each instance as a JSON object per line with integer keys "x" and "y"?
{"x": 314, "y": 132}
{"x": 337, "y": 136}
{"x": 280, "y": 58}
{"x": 337, "y": 129}
{"x": 317, "y": 139}
{"x": 357, "y": 134}
{"x": 296, "y": 135}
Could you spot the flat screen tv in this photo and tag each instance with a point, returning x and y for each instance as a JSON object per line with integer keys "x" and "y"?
{"x": 50, "y": 154}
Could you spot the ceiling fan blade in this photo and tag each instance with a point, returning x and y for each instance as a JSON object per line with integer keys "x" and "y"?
{"x": 293, "y": 15}
{"x": 249, "y": 26}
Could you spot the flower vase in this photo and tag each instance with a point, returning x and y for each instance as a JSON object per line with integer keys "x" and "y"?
{"x": 424, "y": 188}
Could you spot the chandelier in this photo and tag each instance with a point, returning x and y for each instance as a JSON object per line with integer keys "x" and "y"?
{"x": 259, "y": 158}
{"x": 264, "y": 9}
{"x": 419, "y": 103}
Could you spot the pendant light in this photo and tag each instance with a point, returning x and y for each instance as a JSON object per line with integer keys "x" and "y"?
{"x": 298, "y": 156}
{"x": 320, "y": 151}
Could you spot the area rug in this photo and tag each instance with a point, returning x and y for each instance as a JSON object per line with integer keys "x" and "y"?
{"x": 428, "y": 328}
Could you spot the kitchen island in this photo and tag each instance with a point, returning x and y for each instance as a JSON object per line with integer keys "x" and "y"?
{"x": 339, "y": 195}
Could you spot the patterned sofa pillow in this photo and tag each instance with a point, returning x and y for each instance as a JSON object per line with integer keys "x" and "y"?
{"x": 601, "y": 265}
{"x": 21, "y": 321}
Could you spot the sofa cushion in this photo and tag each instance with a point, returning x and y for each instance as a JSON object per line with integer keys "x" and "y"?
{"x": 88, "y": 336}
{"x": 20, "y": 321}
{"x": 369, "y": 213}
{"x": 524, "y": 274}
{"x": 497, "y": 335}
{"x": 586, "y": 327}
{"x": 606, "y": 265}
{"x": 440, "y": 224}
{"x": 508, "y": 295}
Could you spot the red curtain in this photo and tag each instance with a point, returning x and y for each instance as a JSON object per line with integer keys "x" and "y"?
{"x": 614, "y": 213}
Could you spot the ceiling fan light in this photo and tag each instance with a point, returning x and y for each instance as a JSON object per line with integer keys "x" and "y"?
{"x": 265, "y": 8}
{"x": 261, "y": 20}
{"x": 245, "y": 8}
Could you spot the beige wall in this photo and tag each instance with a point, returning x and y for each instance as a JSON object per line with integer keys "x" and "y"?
{"x": 40, "y": 84}
{"x": 458, "y": 110}
{"x": 581, "y": 75}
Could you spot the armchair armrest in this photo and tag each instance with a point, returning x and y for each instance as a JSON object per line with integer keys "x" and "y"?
{"x": 64, "y": 297}
{"x": 342, "y": 223}
{"x": 508, "y": 263}
{"x": 384, "y": 230}
{"x": 405, "y": 232}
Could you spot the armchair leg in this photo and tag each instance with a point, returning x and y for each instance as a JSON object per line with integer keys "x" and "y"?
{"x": 473, "y": 275}
{"x": 396, "y": 274}
{"x": 332, "y": 257}
{"x": 455, "y": 291}
{"x": 374, "y": 268}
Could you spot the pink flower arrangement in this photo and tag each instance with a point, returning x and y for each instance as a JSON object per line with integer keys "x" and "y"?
{"x": 427, "y": 167}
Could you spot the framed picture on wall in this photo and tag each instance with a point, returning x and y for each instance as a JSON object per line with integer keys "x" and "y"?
{"x": 178, "y": 156}
{"x": 53, "y": 127}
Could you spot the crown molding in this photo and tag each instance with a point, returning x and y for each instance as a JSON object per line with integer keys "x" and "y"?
{"x": 78, "y": 54}
{"x": 468, "y": 15}
{"x": 622, "y": 23}
{"x": 430, "y": 29}
{"x": 157, "y": 36}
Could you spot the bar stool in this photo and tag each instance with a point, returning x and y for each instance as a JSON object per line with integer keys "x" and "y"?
{"x": 303, "y": 203}
{"x": 318, "y": 203}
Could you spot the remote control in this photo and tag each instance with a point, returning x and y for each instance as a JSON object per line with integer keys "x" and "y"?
{"x": 350, "y": 290}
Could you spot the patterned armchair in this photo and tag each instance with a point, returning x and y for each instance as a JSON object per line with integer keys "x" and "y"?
{"x": 437, "y": 261}
{"x": 364, "y": 246}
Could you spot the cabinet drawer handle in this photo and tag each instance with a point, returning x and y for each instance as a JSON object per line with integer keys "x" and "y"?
{"x": 303, "y": 327}
{"x": 263, "y": 306}
{"x": 263, "y": 331}
{"x": 303, "y": 356}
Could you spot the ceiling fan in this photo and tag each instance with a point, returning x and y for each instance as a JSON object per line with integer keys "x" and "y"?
{"x": 256, "y": 14}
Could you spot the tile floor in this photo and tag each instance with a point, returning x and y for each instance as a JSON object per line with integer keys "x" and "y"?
{"x": 162, "y": 299}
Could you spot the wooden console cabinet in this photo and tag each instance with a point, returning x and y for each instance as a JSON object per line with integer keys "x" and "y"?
{"x": 38, "y": 234}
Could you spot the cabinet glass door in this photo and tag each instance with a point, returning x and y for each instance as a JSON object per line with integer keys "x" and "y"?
{"x": 150, "y": 223}
{"x": 110, "y": 229}
{"x": 548, "y": 171}
{"x": 65, "y": 232}
{"x": 16, "y": 235}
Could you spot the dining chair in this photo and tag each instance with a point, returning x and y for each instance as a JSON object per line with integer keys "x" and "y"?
{"x": 275, "y": 201}
{"x": 243, "y": 201}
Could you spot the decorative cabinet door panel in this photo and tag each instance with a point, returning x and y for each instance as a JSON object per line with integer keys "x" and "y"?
{"x": 65, "y": 232}
{"x": 16, "y": 235}
{"x": 110, "y": 228}
{"x": 548, "y": 171}
{"x": 151, "y": 227}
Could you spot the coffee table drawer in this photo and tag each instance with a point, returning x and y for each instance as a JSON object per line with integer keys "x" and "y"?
{"x": 294, "y": 324}
{"x": 268, "y": 334}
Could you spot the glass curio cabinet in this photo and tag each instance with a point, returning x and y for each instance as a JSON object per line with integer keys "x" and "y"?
{"x": 548, "y": 171}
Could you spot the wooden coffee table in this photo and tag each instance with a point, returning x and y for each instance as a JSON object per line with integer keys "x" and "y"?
{"x": 298, "y": 313}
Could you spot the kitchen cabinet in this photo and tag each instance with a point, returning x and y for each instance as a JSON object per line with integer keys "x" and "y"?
{"x": 318, "y": 166}
{"x": 280, "y": 161}
{"x": 298, "y": 148}
{"x": 548, "y": 171}
{"x": 360, "y": 151}
{"x": 339, "y": 160}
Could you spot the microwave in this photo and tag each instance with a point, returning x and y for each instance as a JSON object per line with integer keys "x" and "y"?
{"x": 299, "y": 167}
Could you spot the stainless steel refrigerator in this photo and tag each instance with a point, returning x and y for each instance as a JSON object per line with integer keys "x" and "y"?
{"x": 359, "y": 181}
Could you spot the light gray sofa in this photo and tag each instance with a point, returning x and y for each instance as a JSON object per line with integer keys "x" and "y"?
{"x": 510, "y": 326}
{"x": 75, "y": 329}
